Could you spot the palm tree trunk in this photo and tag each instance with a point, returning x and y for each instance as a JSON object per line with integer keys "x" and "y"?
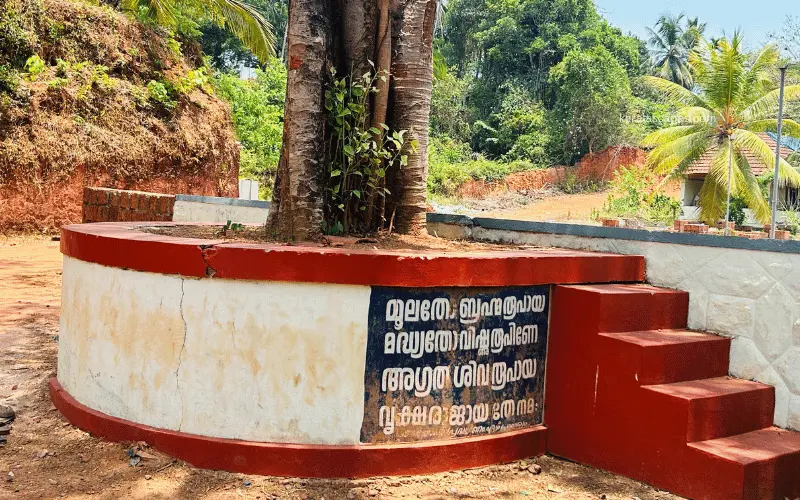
{"x": 412, "y": 76}
{"x": 296, "y": 212}
{"x": 730, "y": 175}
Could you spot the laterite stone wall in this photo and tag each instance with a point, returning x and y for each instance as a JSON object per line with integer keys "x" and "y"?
{"x": 117, "y": 205}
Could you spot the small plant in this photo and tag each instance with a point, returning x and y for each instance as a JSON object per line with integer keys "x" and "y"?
{"x": 34, "y": 66}
{"x": 571, "y": 184}
{"x": 637, "y": 194}
{"x": 159, "y": 94}
{"x": 57, "y": 83}
{"x": 62, "y": 68}
{"x": 9, "y": 80}
{"x": 792, "y": 217}
{"x": 361, "y": 155}
{"x": 737, "y": 214}
{"x": 195, "y": 78}
{"x": 232, "y": 227}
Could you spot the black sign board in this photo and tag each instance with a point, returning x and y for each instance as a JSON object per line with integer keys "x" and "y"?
{"x": 454, "y": 362}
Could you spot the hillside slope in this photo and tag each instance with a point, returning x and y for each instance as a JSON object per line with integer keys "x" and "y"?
{"x": 90, "y": 96}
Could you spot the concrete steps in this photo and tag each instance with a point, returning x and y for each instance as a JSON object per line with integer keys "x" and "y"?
{"x": 653, "y": 401}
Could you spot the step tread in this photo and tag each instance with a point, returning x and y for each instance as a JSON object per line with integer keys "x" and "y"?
{"x": 755, "y": 446}
{"x": 664, "y": 337}
{"x": 708, "y": 388}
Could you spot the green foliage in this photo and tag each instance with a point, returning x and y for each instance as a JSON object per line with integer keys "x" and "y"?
{"x": 636, "y": 193}
{"x": 522, "y": 127}
{"x": 671, "y": 42}
{"x": 449, "y": 111}
{"x": 9, "y": 79}
{"x": 34, "y": 66}
{"x": 508, "y": 64}
{"x": 16, "y": 40}
{"x": 734, "y": 99}
{"x": 227, "y": 52}
{"x": 792, "y": 218}
{"x": 737, "y": 214}
{"x": 450, "y": 164}
{"x": 161, "y": 95}
{"x": 257, "y": 108}
{"x": 232, "y": 226}
{"x": 592, "y": 97}
{"x": 196, "y": 78}
{"x": 360, "y": 155}
{"x": 237, "y": 16}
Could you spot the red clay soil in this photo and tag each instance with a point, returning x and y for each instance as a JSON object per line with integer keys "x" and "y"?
{"x": 45, "y": 209}
{"x": 599, "y": 167}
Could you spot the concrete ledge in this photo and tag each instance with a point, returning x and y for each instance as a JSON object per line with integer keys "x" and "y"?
{"x": 213, "y": 200}
{"x": 279, "y": 459}
{"x": 121, "y": 245}
{"x": 705, "y": 240}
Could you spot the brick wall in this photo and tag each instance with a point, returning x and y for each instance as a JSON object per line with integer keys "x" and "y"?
{"x": 113, "y": 205}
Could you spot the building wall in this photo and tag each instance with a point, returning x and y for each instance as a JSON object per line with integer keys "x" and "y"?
{"x": 751, "y": 296}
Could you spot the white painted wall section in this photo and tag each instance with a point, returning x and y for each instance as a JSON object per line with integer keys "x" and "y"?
{"x": 259, "y": 361}
{"x": 191, "y": 211}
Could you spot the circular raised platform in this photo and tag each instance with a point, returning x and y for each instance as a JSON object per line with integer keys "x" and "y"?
{"x": 292, "y": 360}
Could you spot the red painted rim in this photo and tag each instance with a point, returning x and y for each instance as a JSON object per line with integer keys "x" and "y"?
{"x": 276, "y": 459}
{"x": 121, "y": 245}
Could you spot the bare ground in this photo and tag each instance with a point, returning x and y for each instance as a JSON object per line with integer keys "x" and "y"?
{"x": 49, "y": 458}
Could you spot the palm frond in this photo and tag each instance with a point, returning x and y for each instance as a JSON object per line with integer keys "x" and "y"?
{"x": 665, "y": 135}
{"x": 746, "y": 140}
{"x": 790, "y": 127}
{"x": 673, "y": 157}
{"x": 247, "y": 24}
{"x": 674, "y": 92}
{"x": 697, "y": 115}
{"x": 767, "y": 105}
{"x": 712, "y": 200}
{"x": 718, "y": 170}
{"x": 160, "y": 11}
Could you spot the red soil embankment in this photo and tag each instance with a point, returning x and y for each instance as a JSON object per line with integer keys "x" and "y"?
{"x": 599, "y": 167}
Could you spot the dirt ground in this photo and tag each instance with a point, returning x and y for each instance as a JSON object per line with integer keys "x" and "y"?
{"x": 46, "y": 457}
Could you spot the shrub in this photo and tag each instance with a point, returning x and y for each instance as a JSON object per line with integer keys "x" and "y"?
{"x": 257, "y": 108}
{"x": 637, "y": 193}
{"x": 34, "y": 66}
{"x": 451, "y": 164}
{"x": 158, "y": 93}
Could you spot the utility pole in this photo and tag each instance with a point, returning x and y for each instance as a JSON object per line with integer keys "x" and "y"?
{"x": 776, "y": 177}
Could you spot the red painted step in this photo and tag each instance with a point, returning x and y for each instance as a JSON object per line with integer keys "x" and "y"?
{"x": 766, "y": 462}
{"x": 666, "y": 356}
{"x": 628, "y": 308}
{"x": 630, "y": 391}
{"x": 717, "y": 407}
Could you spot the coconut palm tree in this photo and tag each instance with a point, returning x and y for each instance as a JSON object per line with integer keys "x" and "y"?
{"x": 671, "y": 43}
{"x": 734, "y": 99}
{"x": 242, "y": 19}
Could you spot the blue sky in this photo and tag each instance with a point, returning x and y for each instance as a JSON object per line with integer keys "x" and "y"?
{"x": 756, "y": 22}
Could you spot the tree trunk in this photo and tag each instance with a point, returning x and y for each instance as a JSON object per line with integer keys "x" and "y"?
{"x": 412, "y": 78}
{"x": 392, "y": 34}
{"x": 296, "y": 211}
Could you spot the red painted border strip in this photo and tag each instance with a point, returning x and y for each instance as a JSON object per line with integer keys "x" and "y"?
{"x": 276, "y": 459}
{"x": 120, "y": 245}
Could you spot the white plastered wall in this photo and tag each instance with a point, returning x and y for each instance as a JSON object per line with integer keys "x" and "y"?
{"x": 259, "y": 361}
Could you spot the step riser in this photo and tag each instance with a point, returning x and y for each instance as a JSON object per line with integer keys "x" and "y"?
{"x": 643, "y": 311}
{"x": 664, "y": 364}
